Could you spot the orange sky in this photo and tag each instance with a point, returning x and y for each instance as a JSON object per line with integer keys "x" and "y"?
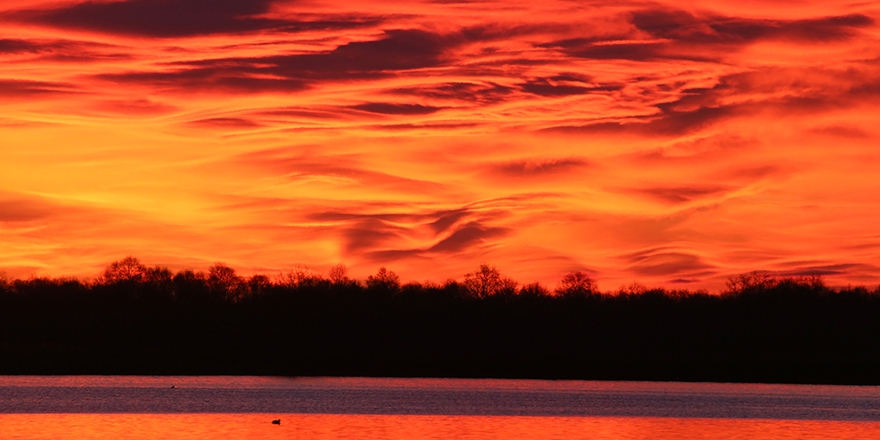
{"x": 670, "y": 143}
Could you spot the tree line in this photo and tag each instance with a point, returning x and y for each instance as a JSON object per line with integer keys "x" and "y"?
{"x": 136, "y": 319}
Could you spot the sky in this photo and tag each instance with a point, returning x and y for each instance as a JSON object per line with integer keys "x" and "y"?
{"x": 668, "y": 143}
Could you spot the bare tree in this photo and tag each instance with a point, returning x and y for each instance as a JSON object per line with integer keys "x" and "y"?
{"x": 128, "y": 269}
{"x": 223, "y": 280}
{"x": 298, "y": 276}
{"x": 577, "y": 284}
{"x": 749, "y": 282}
{"x": 338, "y": 275}
{"x": 815, "y": 281}
{"x": 487, "y": 281}
{"x": 633, "y": 289}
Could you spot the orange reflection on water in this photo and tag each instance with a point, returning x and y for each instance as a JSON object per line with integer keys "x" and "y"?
{"x": 332, "y": 426}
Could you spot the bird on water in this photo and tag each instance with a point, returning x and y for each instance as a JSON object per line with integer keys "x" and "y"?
{"x": 276, "y": 422}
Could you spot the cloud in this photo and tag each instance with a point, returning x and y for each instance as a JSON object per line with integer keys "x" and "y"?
{"x": 344, "y": 171}
{"x": 667, "y": 122}
{"x": 396, "y": 109}
{"x": 669, "y": 33}
{"x": 662, "y": 262}
{"x": 565, "y": 85}
{"x": 20, "y": 123}
{"x": 823, "y": 29}
{"x": 757, "y": 172}
{"x": 692, "y": 110}
{"x": 470, "y": 92}
{"x": 696, "y": 151}
{"x": 190, "y": 18}
{"x": 396, "y": 50}
{"x": 682, "y": 194}
{"x": 18, "y": 88}
{"x": 390, "y": 236}
{"x": 684, "y": 280}
{"x": 393, "y": 52}
{"x": 538, "y": 168}
{"x": 350, "y": 215}
{"x": 401, "y": 49}
{"x": 468, "y": 236}
{"x": 852, "y": 272}
{"x": 134, "y": 107}
{"x": 299, "y": 113}
{"x": 62, "y": 51}
{"x": 369, "y": 234}
{"x": 15, "y": 208}
{"x": 12, "y": 45}
{"x": 242, "y": 79}
{"x": 429, "y": 126}
{"x": 844, "y": 131}
{"x": 446, "y": 220}
{"x": 738, "y": 95}
{"x": 681, "y": 26}
{"x": 225, "y": 123}
{"x": 157, "y": 18}
{"x": 613, "y": 50}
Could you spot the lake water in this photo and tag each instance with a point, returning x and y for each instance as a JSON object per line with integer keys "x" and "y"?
{"x": 138, "y": 407}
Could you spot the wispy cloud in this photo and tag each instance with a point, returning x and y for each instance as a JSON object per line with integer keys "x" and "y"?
{"x": 660, "y": 262}
{"x": 638, "y": 141}
{"x": 156, "y": 18}
{"x": 19, "y": 88}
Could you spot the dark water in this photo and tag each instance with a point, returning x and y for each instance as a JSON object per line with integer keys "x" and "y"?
{"x": 97, "y": 394}
{"x": 242, "y": 407}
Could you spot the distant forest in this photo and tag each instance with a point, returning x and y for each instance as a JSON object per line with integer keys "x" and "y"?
{"x": 135, "y": 319}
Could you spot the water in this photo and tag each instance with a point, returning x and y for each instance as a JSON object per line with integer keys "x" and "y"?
{"x": 126, "y": 407}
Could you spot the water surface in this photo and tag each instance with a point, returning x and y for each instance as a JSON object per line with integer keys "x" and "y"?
{"x": 126, "y": 407}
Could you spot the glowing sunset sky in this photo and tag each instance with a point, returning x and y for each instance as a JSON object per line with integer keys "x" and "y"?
{"x": 670, "y": 143}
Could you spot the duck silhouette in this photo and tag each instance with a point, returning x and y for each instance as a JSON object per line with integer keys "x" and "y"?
{"x": 276, "y": 422}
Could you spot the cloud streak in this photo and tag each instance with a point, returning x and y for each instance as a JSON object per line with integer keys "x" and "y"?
{"x": 157, "y": 18}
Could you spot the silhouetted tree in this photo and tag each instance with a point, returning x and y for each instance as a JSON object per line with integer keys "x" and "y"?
{"x": 258, "y": 284}
{"x": 751, "y": 282}
{"x": 224, "y": 282}
{"x": 508, "y": 288}
{"x": 191, "y": 288}
{"x": 453, "y": 289}
{"x": 487, "y": 281}
{"x": 534, "y": 290}
{"x": 633, "y": 289}
{"x": 414, "y": 289}
{"x": 299, "y": 276}
{"x": 815, "y": 281}
{"x": 157, "y": 275}
{"x": 577, "y": 284}
{"x": 126, "y": 270}
{"x": 157, "y": 285}
{"x": 788, "y": 329}
{"x": 4, "y": 282}
{"x": 338, "y": 275}
{"x": 385, "y": 281}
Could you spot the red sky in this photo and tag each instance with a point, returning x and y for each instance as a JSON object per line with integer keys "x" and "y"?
{"x": 670, "y": 143}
